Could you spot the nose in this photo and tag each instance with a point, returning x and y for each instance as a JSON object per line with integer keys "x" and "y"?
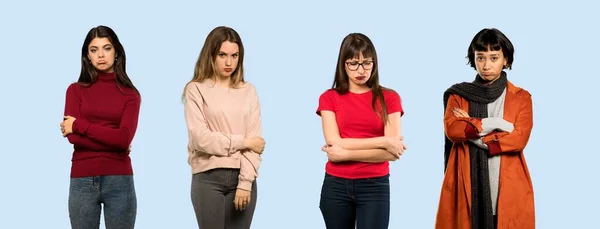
{"x": 228, "y": 61}
{"x": 487, "y": 65}
{"x": 360, "y": 69}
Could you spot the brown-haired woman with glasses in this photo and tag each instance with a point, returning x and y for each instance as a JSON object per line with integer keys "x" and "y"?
{"x": 222, "y": 113}
{"x": 362, "y": 128}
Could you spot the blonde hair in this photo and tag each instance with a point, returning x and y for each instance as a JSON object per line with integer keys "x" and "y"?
{"x": 205, "y": 66}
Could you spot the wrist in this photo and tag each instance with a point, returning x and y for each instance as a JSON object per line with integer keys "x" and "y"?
{"x": 246, "y": 143}
{"x": 384, "y": 142}
{"x": 347, "y": 155}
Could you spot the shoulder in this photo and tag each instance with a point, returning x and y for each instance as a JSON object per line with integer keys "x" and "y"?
{"x": 389, "y": 93}
{"x": 196, "y": 87}
{"x": 247, "y": 86}
{"x": 74, "y": 86}
{"x": 329, "y": 93}
{"x": 74, "y": 89}
{"x": 518, "y": 91}
{"x": 131, "y": 95}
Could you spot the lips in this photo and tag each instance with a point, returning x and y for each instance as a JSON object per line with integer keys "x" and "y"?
{"x": 361, "y": 77}
{"x": 228, "y": 69}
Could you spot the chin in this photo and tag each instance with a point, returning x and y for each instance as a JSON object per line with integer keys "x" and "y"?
{"x": 225, "y": 74}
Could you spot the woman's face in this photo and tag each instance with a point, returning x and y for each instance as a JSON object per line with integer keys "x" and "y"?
{"x": 489, "y": 64}
{"x": 359, "y": 69}
{"x": 227, "y": 59}
{"x": 102, "y": 54}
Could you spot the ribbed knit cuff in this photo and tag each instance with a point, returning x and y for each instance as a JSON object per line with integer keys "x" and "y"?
{"x": 80, "y": 126}
{"x": 245, "y": 185}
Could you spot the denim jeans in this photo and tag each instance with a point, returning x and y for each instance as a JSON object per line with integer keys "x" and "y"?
{"x": 213, "y": 192}
{"x": 116, "y": 193}
{"x": 360, "y": 203}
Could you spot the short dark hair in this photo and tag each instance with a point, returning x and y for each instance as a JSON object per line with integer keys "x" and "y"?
{"x": 491, "y": 39}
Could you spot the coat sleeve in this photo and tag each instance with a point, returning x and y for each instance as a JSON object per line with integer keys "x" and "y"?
{"x": 515, "y": 141}
{"x": 460, "y": 129}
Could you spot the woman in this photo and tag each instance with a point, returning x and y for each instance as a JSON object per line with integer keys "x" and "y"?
{"x": 362, "y": 135}
{"x": 222, "y": 113}
{"x": 101, "y": 118}
{"x": 487, "y": 124}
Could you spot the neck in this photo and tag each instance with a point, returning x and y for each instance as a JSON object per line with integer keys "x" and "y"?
{"x": 223, "y": 81}
{"x": 359, "y": 89}
{"x": 106, "y": 76}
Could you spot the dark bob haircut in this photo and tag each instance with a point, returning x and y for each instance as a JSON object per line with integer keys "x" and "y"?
{"x": 491, "y": 40}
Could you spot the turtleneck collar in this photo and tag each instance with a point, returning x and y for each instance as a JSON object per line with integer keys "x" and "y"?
{"x": 103, "y": 76}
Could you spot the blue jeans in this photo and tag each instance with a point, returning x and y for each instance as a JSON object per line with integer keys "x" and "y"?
{"x": 364, "y": 203}
{"x": 116, "y": 193}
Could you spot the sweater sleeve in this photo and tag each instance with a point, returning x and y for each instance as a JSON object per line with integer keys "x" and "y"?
{"x": 250, "y": 161}
{"x": 72, "y": 109}
{"x": 120, "y": 137}
{"x": 515, "y": 141}
{"x": 200, "y": 136}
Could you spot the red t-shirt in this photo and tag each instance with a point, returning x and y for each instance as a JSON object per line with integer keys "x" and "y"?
{"x": 356, "y": 119}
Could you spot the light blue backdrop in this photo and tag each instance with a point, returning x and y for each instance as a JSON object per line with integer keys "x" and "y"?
{"x": 291, "y": 52}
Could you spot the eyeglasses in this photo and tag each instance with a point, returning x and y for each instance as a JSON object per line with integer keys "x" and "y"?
{"x": 353, "y": 66}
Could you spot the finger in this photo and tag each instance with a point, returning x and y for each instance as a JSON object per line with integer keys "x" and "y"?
{"x": 243, "y": 203}
{"x": 236, "y": 202}
{"x": 246, "y": 203}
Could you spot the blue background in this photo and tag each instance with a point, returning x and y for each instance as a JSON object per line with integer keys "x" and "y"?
{"x": 291, "y": 51}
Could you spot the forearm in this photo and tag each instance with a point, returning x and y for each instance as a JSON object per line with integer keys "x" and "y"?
{"x": 79, "y": 141}
{"x": 504, "y": 142}
{"x": 370, "y": 155}
{"x": 249, "y": 164}
{"x": 462, "y": 129}
{"x": 495, "y": 123}
{"x": 215, "y": 143}
{"x": 113, "y": 137}
{"x": 362, "y": 143}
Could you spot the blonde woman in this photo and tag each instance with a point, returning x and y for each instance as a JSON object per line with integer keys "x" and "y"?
{"x": 222, "y": 113}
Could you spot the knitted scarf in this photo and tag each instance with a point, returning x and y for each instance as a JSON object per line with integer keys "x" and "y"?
{"x": 478, "y": 94}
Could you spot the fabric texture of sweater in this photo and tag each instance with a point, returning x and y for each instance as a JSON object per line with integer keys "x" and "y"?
{"x": 218, "y": 120}
{"x": 106, "y": 121}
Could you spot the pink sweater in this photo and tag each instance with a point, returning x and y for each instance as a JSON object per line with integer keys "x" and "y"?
{"x": 218, "y": 120}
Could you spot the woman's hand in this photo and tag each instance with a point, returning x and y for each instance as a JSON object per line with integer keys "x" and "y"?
{"x": 335, "y": 153}
{"x": 395, "y": 145}
{"x": 66, "y": 126}
{"x": 256, "y": 144}
{"x": 460, "y": 113}
{"x": 241, "y": 199}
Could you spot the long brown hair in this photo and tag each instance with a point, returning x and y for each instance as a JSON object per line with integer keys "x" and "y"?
{"x": 352, "y": 46}
{"x": 205, "y": 66}
{"x": 88, "y": 74}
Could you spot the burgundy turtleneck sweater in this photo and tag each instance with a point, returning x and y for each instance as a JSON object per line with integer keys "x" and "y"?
{"x": 106, "y": 121}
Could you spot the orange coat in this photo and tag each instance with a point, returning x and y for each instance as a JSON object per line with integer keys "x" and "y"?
{"x": 515, "y": 195}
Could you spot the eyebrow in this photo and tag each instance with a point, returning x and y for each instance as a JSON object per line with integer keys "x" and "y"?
{"x": 221, "y": 52}
{"x": 93, "y": 46}
{"x": 365, "y": 60}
